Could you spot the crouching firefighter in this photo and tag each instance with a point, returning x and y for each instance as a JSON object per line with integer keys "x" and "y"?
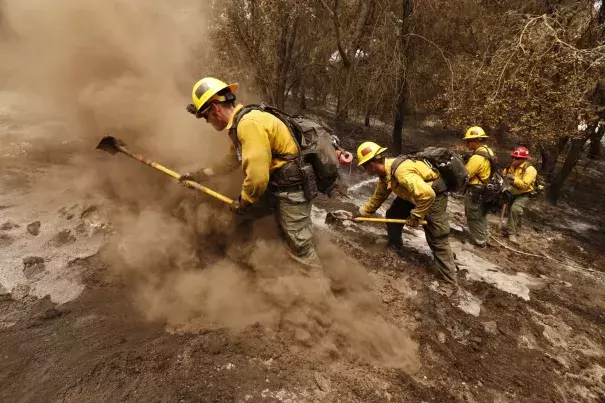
{"x": 522, "y": 178}
{"x": 266, "y": 150}
{"x": 420, "y": 196}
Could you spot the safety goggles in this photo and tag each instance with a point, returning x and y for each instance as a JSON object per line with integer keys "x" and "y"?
{"x": 203, "y": 113}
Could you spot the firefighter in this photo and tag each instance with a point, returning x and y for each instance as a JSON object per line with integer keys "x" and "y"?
{"x": 479, "y": 169}
{"x": 420, "y": 196}
{"x": 257, "y": 145}
{"x": 522, "y": 178}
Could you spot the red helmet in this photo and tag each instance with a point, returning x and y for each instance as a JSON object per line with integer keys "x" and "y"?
{"x": 520, "y": 152}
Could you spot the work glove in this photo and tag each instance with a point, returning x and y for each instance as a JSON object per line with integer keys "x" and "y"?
{"x": 360, "y": 213}
{"x": 510, "y": 177}
{"x": 412, "y": 221}
{"x": 191, "y": 109}
{"x": 197, "y": 176}
{"x": 239, "y": 206}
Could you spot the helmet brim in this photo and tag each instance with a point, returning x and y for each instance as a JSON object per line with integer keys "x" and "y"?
{"x": 203, "y": 107}
{"x": 233, "y": 87}
{"x": 372, "y": 158}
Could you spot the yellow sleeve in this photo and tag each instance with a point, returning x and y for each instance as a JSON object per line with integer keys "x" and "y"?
{"x": 256, "y": 158}
{"x": 227, "y": 164}
{"x": 380, "y": 195}
{"x": 474, "y": 164}
{"x": 422, "y": 192}
{"x": 527, "y": 180}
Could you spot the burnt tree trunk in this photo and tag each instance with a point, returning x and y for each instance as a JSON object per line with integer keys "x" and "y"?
{"x": 562, "y": 143}
{"x": 550, "y": 155}
{"x": 596, "y": 136}
{"x": 594, "y": 151}
{"x": 398, "y": 126}
{"x": 285, "y": 50}
{"x": 342, "y": 104}
{"x": 348, "y": 52}
{"x": 407, "y": 8}
{"x": 575, "y": 152}
{"x": 303, "y": 96}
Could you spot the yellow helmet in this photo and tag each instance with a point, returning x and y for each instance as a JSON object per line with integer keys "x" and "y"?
{"x": 475, "y": 132}
{"x": 206, "y": 90}
{"x": 368, "y": 151}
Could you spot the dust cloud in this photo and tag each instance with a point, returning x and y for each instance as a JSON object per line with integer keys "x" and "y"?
{"x": 75, "y": 70}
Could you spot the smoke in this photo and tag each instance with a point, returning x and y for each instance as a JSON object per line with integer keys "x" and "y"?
{"x": 81, "y": 69}
{"x": 332, "y": 311}
{"x": 85, "y": 68}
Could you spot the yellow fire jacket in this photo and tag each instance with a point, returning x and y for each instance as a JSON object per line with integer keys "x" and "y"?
{"x": 259, "y": 135}
{"x": 525, "y": 178}
{"x": 412, "y": 182}
{"x": 478, "y": 167}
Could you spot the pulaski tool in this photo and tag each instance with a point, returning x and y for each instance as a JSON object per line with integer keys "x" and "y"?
{"x": 113, "y": 145}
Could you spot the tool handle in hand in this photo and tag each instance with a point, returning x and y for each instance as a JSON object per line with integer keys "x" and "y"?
{"x": 500, "y": 225}
{"x": 176, "y": 175}
{"x": 385, "y": 220}
{"x": 210, "y": 192}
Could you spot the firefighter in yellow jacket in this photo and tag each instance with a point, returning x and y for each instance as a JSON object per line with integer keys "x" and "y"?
{"x": 479, "y": 169}
{"x": 258, "y": 137}
{"x": 522, "y": 178}
{"x": 420, "y": 196}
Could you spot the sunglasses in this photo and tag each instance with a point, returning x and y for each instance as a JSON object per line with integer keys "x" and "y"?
{"x": 203, "y": 113}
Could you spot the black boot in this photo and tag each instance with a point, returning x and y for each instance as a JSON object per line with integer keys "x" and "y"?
{"x": 398, "y": 249}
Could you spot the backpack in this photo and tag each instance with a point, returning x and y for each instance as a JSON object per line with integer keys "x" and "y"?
{"x": 314, "y": 142}
{"x": 490, "y": 192}
{"x": 450, "y": 166}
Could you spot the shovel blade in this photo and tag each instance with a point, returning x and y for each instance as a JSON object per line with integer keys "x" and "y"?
{"x": 337, "y": 216}
{"x": 109, "y": 144}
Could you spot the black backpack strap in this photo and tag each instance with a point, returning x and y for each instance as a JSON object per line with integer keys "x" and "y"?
{"x": 243, "y": 111}
{"x": 484, "y": 154}
{"x": 281, "y": 115}
{"x": 236, "y": 119}
{"x": 402, "y": 158}
{"x": 398, "y": 161}
{"x": 492, "y": 165}
{"x": 527, "y": 165}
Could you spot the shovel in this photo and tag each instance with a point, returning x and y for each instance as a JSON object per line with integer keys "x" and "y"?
{"x": 332, "y": 217}
{"x": 500, "y": 224}
{"x": 113, "y": 146}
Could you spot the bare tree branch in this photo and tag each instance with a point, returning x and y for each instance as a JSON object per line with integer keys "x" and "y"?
{"x": 447, "y": 61}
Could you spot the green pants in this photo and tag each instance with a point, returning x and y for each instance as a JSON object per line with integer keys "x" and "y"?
{"x": 516, "y": 213}
{"x": 437, "y": 232}
{"x": 293, "y": 214}
{"x": 476, "y": 219}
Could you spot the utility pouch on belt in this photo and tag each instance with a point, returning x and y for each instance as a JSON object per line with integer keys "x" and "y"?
{"x": 476, "y": 193}
{"x": 439, "y": 186}
{"x": 309, "y": 181}
{"x": 288, "y": 175}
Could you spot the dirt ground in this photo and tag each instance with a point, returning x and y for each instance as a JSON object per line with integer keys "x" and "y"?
{"x": 524, "y": 328}
{"x": 119, "y": 285}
